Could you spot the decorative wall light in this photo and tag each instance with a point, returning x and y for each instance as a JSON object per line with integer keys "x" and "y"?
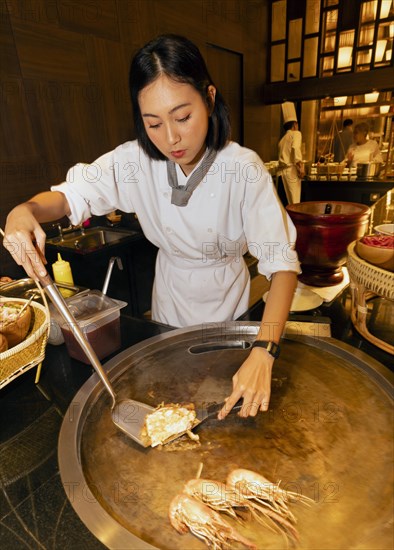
{"x": 345, "y": 57}
{"x": 366, "y": 44}
{"x": 380, "y": 49}
{"x": 340, "y": 100}
{"x": 371, "y": 97}
{"x": 368, "y": 10}
{"x": 384, "y": 109}
{"x": 385, "y": 9}
{"x": 345, "y": 50}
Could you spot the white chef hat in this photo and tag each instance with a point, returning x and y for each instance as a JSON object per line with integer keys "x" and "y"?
{"x": 288, "y": 112}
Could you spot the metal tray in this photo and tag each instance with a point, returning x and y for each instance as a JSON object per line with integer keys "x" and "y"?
{"x": 25, "y": 288}
{"x": 328, "y": 434}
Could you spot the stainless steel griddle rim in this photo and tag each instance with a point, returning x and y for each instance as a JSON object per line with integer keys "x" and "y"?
{"x": 96, "y": 519}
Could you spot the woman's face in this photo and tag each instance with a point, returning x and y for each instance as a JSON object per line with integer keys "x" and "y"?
{"x": 176, "y": 120}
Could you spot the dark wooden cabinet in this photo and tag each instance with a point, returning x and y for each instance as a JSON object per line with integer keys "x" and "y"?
{"x": 361, "y": 191}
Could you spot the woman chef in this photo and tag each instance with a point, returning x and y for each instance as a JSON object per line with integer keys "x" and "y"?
{"x": 200, "y": 198}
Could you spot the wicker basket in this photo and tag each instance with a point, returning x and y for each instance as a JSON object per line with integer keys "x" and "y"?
{"x": 378, "y": 280}
{"x": 367, "y": 281}
{"x": 31, "y": 351}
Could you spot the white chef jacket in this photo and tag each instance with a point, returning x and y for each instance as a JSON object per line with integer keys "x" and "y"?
{"x": 289, "y": 149}
{"x": 200, "y": 274}
{"x": 289, "y": 152}
{"x": 367, "y": 152}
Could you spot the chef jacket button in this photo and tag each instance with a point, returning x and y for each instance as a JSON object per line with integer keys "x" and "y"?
{"x": 212, "y": 195}
{"x": 166, "y": 195}
{"x": 209, "y": 229}
{"x": 168, "y": 229}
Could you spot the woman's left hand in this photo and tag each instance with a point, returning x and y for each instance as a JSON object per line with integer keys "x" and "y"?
{"x": 252, "y": 382}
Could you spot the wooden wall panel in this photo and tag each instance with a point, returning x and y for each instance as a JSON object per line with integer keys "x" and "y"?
{"x": 68, "y": 123}
{"x": 175, "y": 16}
{"x": 48, "y": 53}
{"x": 226, "y": 69}
{"x": 137, "y": 21}
{"x": 17, "y": 141}
{"x": 64, "y": 89}
{"x": 44, "y": 12}
{"x": 109, "y": 67}
{"x": 99, "y": 18}
{"x": 9, "y": 65}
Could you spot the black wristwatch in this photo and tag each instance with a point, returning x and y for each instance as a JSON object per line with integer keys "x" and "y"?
{"x": 272, "y": 348}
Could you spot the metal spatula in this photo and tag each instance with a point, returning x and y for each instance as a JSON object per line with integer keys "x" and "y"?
{"x": 128, "y": 415}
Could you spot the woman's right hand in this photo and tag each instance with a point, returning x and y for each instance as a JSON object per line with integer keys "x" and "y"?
{"x": 25, "y": 240}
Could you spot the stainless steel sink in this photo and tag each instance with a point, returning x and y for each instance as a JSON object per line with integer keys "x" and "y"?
{"x": 90, "y": 240}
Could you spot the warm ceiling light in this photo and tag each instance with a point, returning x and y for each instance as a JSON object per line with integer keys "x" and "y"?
{"x": 344, "y": 56}
{"x": 380, "y": 49}
{"x": 385, "y": 9}
{"x": 384, "y": 109}
{"x": 371, "y": 97}
{"x": 340, "y": 100}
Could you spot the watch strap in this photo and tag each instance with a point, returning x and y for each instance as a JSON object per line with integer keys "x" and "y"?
{"x": 272, "y": 348}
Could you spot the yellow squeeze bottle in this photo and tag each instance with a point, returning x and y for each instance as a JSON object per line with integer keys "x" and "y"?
{"x": 62, "y": 271}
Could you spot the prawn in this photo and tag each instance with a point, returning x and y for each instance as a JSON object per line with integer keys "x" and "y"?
{"x": 216, "y": 495}
{"x": 256, "y": 487}
{"x": 187, "y": 513}
{"x": 223, "y": 498}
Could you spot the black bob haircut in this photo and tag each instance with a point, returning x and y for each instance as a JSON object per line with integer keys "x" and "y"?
{"x": 181, "y": 60}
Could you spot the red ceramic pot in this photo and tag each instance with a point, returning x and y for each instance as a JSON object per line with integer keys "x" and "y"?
{"x": 324, "y": 231}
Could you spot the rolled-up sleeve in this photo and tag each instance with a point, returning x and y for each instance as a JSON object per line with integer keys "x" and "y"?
{"x": 270, "y": 233}
{"x": 91, "y": 189}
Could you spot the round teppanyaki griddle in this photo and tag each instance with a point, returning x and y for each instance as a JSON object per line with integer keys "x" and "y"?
{"x": 328, "y": 435}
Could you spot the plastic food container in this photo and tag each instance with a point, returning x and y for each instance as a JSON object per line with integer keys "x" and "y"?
{"x": 98, "y": 316}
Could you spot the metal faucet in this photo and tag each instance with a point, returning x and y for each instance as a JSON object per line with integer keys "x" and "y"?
{"x": 64, "y": 230}
{"x": 109, "y": 271}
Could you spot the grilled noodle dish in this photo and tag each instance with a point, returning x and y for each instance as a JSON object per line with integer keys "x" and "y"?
{"x": 168, "y": 421}
{"x": 14, "y": 323}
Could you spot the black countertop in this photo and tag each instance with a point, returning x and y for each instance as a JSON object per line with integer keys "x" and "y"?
{"x": 35, "y": 511}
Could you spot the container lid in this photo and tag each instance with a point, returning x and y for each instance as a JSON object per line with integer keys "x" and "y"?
{"x": 89, "y": 307}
